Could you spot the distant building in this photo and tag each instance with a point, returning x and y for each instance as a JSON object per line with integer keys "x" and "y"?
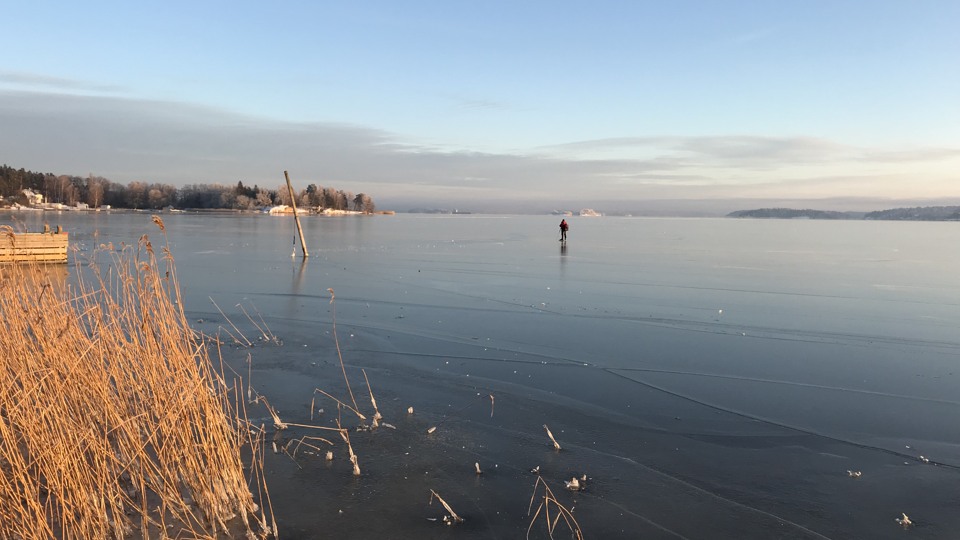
{"x": 589, "y": 212}
{"x": 33, "y": 198}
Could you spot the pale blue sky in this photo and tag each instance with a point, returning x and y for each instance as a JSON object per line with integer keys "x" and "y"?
{"x": 608, "y": 100}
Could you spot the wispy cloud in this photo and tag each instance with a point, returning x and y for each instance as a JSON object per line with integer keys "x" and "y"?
{"x": 745, "y": 151}
{"x": 663, "y": 179}
{"x": 481, "y": 104}
{"x": 910, "y": 155}
{"x": 723, "y": 148}
{"x": 46, "y": 82}
{"x": 158, "y": 141}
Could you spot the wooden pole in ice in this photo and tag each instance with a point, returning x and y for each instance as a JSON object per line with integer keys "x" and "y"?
{"x": 293, "y": 203}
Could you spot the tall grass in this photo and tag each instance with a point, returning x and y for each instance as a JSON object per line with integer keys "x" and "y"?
{"x": 114, "y": 421}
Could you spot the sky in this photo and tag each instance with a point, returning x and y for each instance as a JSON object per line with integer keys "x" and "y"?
{"x": 456, "y": 103}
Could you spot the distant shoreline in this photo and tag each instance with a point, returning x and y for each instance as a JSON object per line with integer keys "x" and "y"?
{"x": 920, "y": 213}
{"x": 923, "y": 213}
{"x": 335, "y": 213}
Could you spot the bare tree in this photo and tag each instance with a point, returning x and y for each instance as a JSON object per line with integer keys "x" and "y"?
{"x": 363, "y": 203}
{"x": 136, "y": 194}
{"x": 155, "y": 198}
{"x": 58, "y": 188}
{"x": 244, "y": 202}
{"x": 228, "y": 196}
{"x": 316, "y": 196}
{"x": 283, "y": 195}
{"x": 95, "y": 187}
{"x": 305, "y": 200}
{"x": 263, "y": 198}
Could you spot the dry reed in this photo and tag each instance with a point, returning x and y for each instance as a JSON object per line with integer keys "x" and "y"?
{"x": 548, "y": 503}
{"x": 377, "y": 417}
{"x": 556, "y": 445}
{"x": 336, "y": 342}
{"x": 114, "y": 422}
{"x": 246, "y": 342}
{"x": 345, "y": 435}
{"x": 451, "y": 518}
{"x": 458, "y": 412}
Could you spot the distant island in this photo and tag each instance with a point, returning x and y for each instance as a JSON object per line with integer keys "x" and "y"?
{"x": 920, "y": 213}
{"x": 22, "y": 188}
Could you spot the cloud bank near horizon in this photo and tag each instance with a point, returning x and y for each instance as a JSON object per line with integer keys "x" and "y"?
{"x": 167, "y": 142}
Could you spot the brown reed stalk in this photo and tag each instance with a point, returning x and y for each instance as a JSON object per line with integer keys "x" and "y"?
{"x": 373, "y": 401}
{"x": 556, "y": 445}
{"x": 265, "y": 333}
{"x": 245, "y": 342}
{"x": 458, "y": 412}
{"x": 336, "y": 342}
{"x": 452, "y": 517}
{"x": 268, "y": 333}
{"x": 549, "y": 501}
{"x": 114, "y": 422}
{"x": 302, "y": 441}
{"x": 277, "y": 423}
{"x": 340, "y": 403}
{"x": 353, "y": 457}
{"x": 249, "y": 374}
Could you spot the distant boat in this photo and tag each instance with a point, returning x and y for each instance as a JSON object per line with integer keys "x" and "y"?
{"x": 45, "y": 247}
{"x": 589, "y": 212}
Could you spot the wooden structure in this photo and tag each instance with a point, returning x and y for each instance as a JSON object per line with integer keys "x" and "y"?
{"x": 45, "y": 247}
{"x": 293, "y": 203}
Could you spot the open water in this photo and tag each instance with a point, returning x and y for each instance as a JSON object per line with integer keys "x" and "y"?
{"x": 713, "y": 378}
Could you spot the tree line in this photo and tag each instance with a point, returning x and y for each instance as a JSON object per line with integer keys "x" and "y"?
{"x": 919, "y": 213}
{"x": 97, "y": 191}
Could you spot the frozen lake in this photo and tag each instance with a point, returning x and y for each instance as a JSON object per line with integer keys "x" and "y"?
{"x": 714, "y": 378}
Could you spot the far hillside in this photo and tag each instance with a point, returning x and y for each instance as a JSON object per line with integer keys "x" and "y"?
{"x": 790, "y": 213}
{"x": 920, "y": 213}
